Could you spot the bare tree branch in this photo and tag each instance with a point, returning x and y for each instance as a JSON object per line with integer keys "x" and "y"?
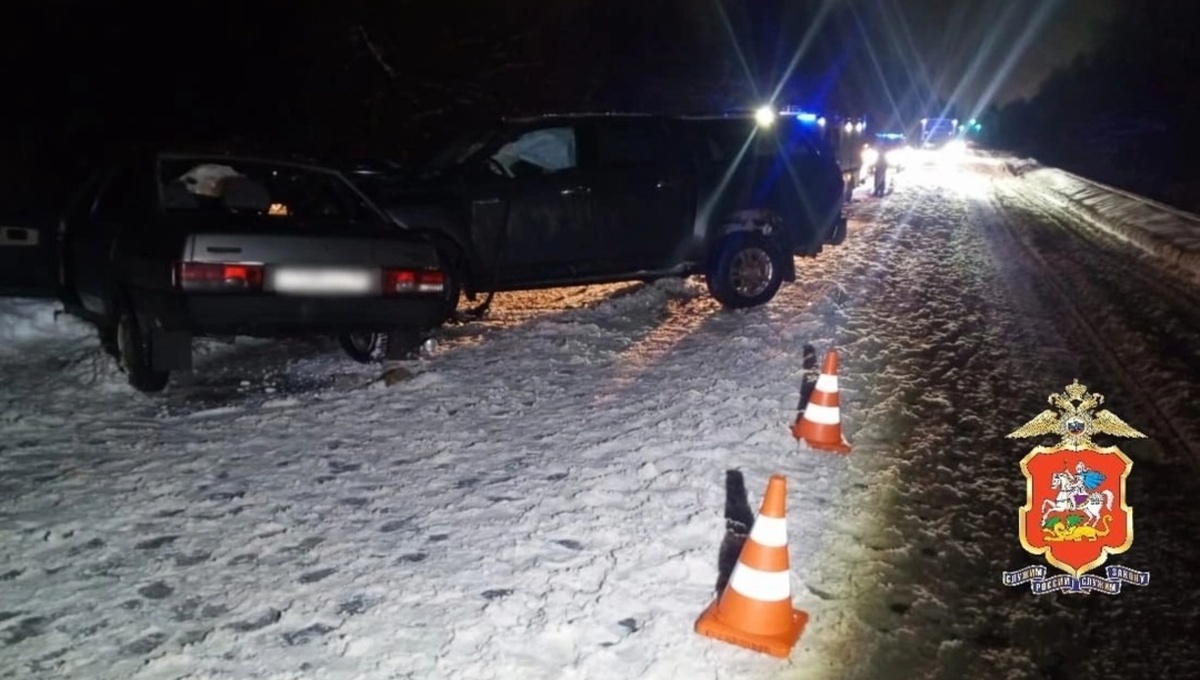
{"x": 375, "y": 52}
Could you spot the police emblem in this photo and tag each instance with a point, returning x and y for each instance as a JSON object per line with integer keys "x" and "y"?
{"x": 1075, "y": 512}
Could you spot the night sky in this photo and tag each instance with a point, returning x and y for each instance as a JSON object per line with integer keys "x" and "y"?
{"x": 971, "y": 42}
{"x": 1071, "y": 29}
{"x": 969, "y": 55}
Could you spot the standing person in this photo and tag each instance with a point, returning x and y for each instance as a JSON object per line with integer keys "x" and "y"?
{"x": 881, "y": 168}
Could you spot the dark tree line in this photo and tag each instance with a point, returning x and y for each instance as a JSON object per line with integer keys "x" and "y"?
{"x": 1127, "y": 113}
{"x": 392, "y": 78}
{"x": 355, "y": 78}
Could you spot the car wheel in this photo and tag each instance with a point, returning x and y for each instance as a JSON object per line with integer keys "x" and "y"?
{"x": 453, "y": 292}
{"x": 365, "y": 348}
{"x": 746, "y": 271}
{"x": 838, "y": 236}
{"x": 134, "y": 352}
{"x": 108, "y": 339}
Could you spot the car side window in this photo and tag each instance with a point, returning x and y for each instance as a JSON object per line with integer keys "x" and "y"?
{"x": 120, "y": 199}
{"x": 538, "y": 152}
{"x": 629, "y": 144}
{"x": 724, "y": 141}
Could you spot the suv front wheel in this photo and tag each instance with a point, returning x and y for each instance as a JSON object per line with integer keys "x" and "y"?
{"x": 746, "y": 270}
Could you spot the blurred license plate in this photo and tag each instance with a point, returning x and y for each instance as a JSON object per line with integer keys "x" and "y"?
{"x": 323, "y": 280}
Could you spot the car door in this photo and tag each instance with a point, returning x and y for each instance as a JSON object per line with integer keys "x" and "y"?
{"x": 26, "y": 256}
{"x": 643, "y": 203}
{"x": 92, "y": 237}
{"x": 549, "y": 234}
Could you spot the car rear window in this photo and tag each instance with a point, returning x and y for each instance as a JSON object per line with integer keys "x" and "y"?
{"x": 252, "y": 188}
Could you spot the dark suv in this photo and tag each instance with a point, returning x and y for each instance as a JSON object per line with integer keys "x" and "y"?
{"x": 590, "y": 198}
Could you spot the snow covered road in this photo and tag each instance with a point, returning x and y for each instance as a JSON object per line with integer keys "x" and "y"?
{"x": 545, "y": 496}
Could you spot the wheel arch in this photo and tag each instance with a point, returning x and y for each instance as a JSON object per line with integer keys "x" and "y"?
{"x": 765, "y": 221}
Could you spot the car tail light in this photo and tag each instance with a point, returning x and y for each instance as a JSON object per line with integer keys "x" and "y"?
{"x": 218, "y": 277}
{"x": 398, "y": 281}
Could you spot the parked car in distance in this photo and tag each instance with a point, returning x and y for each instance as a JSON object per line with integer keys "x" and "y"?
{"x": 26, "y": 254}
{"x": 161, "y": 247}
{"x": 892, "y": 147}
{"x": 594, "y": 198}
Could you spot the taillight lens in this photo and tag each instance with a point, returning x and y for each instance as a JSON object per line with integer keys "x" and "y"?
{"x": 219, "y": 277}
{"x": 398, "y": 281}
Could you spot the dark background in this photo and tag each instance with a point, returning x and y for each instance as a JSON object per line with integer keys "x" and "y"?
{"x": 366, "y": 78}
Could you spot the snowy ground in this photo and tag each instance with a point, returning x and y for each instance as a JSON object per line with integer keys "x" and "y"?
{"x": 545, "y": 497}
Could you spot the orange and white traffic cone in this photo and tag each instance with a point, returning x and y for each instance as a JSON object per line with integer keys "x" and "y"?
{"x": 755, "y": 609}
{"x": 820, "y": 424}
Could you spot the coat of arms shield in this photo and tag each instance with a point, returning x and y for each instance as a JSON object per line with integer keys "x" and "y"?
{"x": 1076, "y": 513}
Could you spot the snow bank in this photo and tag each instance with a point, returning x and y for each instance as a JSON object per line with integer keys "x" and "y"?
{"x": 1166, "y": 233}
{"x": 29, "y": 321}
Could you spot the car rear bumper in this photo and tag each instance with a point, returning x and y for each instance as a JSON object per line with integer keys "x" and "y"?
{"x": 278, "y": 315}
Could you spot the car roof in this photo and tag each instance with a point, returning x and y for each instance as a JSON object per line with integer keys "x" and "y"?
{"x": 151, "y": 149}
{"x": 296, "y": 161}
{"x": 576, "y": 115}
{"x": 579, "y": 116}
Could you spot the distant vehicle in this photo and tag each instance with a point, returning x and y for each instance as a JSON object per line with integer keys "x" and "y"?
{"x": 26, "y": 255}
{"x": 590, "y": 198}
{"x": 844, "y": 136}
{"x": 937, "y": 132}
{"x": 892, "y": 147}
{"x": 161, "y": 247}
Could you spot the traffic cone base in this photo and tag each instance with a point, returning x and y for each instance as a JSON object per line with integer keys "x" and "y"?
{"x": 779, "y": 645}
{"x": 820, "y": 423}
{"x": 837, "y": 446}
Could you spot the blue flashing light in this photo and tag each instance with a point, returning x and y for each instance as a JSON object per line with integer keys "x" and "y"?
{"x": 891, "y": 136}
{"x": 806, "y": 117}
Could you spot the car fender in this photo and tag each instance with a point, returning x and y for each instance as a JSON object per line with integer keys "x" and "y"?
{"x": 438, "y": 224}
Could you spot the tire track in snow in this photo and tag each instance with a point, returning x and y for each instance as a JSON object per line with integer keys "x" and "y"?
{"x": 923, "y": 345}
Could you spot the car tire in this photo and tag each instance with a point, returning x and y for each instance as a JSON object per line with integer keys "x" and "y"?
{"x": 746, "y": 270}
{"x": 838, "y": 236}
{"x": 108, "y": 340}
{"x": 453, "y": 293}
{"x": 134, "y": 352}
{"x": 365, "y": 348}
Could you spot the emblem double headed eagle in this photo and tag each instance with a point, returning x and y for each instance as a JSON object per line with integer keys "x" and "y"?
{"x": 1073, "y": 420}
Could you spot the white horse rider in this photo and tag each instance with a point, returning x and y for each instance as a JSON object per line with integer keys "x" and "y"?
{"x": 1075, "y": 493}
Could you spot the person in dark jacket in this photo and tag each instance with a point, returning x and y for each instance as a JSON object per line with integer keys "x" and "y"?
{"x": 880, "y": 173}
